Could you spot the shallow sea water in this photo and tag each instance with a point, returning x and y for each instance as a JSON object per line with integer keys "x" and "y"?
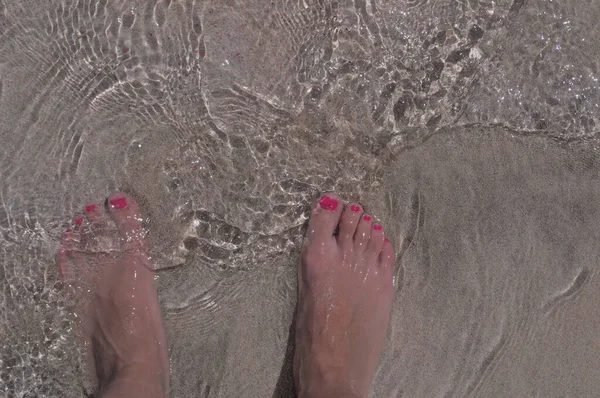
{"x": 468, "y": 127}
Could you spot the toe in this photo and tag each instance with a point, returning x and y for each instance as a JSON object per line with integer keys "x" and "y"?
{"x": 69, "y": 239}
{"x": 363, "y": 232}
{"x": 385, "y": 264}
{"x": 126, "y": 214}
{"x": 79, "y": 223}
{"x": 324, "y": 217}
{"x": 93, "y": 212}
{"x": 93, "y": 224}
{"x": 387, "y": 256}
{"x": 348, "y": 224}
{"x": 62, "y": 261}
{"x": 66, "y": 273}
{"x": 68, "y": 243}
{"x": 376, "y": 242}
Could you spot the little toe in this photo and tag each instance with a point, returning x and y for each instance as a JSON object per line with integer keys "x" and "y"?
{"x": 68, "y": 288}
{"x": 349, "y": 223}
{"x": 324, "y": 217}
{"x": 387, "y": 256}
{"x": 62, "y": 261}
{"x": 126, "y": 214}
{"x": 376, "y": 242}
{"x": 69, "y": 239}
{"x": 363, "y": 232}
{"x": 68, "y": 260}
{"x": 78, "y": 271}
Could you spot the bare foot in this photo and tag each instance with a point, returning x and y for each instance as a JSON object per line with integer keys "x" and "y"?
{"x": 345, "y": 292}
{"x": 116, "y": 300}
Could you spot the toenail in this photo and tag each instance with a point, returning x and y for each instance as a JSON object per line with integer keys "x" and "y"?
{"x": 328, "y": 203}
{"x": 367, "y": 217}
{"x": 68, "y": 230}
{"x": 118, "y": 203}
{"x": 355, "y": 208}
{"x": 386, "y": 240}
{"x": 377, "y": 227}
{"x": 79, "y": 220}
{"x": 90, "y": 208}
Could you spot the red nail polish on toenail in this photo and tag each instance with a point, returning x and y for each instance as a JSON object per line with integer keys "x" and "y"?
{"x": 118, "y": 203}
{"x": 328, "y": 203}
{"x": 79, "y": 220}
{"x": 355, "y": 208}
{"x": 386, "y": 240}
{"x": 68, "y": 230}
{"x": 377, "y": 227}
{"x": 367, "y": 217}
{"x": 90, "y": 208}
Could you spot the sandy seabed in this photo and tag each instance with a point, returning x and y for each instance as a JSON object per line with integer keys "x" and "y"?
{"x": 469, "y": 129}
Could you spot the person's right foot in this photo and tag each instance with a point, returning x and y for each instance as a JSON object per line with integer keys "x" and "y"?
{"x": 345, "y": 293}
{"x": 116, "y": 301}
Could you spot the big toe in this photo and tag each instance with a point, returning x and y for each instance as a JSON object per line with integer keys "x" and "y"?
{"x": 324, "y": 217}
{"x": 127, "y": 216}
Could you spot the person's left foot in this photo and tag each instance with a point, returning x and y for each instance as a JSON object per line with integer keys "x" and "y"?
{"x": 116, "y": 300}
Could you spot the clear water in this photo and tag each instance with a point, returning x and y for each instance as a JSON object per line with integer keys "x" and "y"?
{"x": 468, "y": 127}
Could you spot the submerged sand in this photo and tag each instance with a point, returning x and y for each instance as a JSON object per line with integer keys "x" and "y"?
{"x": 469, "y": 129}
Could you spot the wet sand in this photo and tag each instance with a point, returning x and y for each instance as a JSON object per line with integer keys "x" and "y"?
{"x": 498, "y": 250}
{"x": 468, "y": 130}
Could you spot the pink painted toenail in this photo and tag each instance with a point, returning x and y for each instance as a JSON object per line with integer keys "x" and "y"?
{"x": 68, "y": 230}
{"x": 328, "y": 203}
{"x": 355, "y": 208}
{"x": 79, "y": 220}
{"x": 90, "y": 208}
{"x": 367, "y": 217}
{"x": 377, "y": 227}
{"x": 386, "y": 240}
{"x": 118, "y": 203}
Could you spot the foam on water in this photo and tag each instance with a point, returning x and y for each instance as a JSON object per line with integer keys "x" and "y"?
{"x": 468, "y": 128}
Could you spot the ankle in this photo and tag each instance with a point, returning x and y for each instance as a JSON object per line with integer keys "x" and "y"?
{"x": 328, "y": 384}
{"x": 333, "y": 390}
{"x": 137, "y": 381}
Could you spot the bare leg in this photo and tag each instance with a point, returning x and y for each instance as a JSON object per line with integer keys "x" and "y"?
{"x": 116, "y": 301}
{"x": 345, "y": 293}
